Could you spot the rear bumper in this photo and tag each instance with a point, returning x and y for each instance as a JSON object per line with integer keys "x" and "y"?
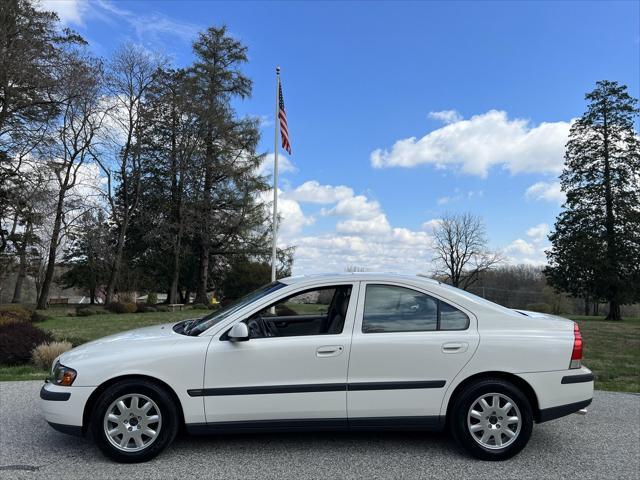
{"x": 63, "y": 407}
{"x": 562, "y": 410}
{"x": 560, "y": 392}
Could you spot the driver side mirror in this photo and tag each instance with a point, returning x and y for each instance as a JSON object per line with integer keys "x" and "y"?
{"x": 239, "y": 332}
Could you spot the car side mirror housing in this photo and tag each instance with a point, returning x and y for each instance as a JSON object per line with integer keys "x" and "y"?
{"x": 239, "y": 332}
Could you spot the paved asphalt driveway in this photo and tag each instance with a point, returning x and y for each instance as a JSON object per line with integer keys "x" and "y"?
{"x": 603, "y": 444}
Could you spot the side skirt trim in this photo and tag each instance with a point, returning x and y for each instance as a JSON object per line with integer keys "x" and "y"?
{"x": 429, "y": 423}
{"x": 317, "y": 387}
{"x": 74, "y": 430}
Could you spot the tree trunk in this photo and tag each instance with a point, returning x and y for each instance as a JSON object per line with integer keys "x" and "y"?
{"x": 117, "y": 261}
{"x": 53, "y": 246}
{"x": 22, "y": 267}
{"x": 586, "y": 306}
{"x": 203, "y": 275}
{"x": 614, "y": 311}
{"x": 22, "y": 273}
{"x": 92, "y": 295}
{"x": 614, "y": 306}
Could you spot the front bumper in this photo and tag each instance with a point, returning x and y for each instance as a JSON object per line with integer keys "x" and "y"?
{"x": 63, "y": 407}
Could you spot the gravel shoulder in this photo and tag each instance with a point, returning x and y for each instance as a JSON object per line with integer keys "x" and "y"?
{"x": 603, "y": 444}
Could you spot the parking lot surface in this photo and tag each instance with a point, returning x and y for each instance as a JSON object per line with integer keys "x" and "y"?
{"x": 603, "y": 444}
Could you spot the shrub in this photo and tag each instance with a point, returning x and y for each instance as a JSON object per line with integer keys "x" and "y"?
{"x": 163, "y": 308}
{"x": 17, "y": 341}
{"x": 121, "y": 307}
{"x": 152, "y": 298}
{"x": 539, "y": 307}
{"x": 86, "y": 312}
{"x": 14, "y": 313}
{"x": 44, "y": 355}
{"x": 146, "y": 309}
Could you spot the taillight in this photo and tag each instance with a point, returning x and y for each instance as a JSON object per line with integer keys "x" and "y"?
{"x": 576, "y": 354}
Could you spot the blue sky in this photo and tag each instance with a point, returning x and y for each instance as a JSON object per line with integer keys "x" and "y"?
{"x": 399, "y": 112}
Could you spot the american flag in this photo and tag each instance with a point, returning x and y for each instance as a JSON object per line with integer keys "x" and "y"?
{"x": 282, "y": 115}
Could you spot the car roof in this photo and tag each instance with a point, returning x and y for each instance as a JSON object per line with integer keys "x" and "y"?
{"x": 357, "y": 276}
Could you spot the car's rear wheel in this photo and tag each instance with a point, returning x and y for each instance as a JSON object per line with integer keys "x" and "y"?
{"x": 134, "y": 420}
{"x": 491, "y": 419}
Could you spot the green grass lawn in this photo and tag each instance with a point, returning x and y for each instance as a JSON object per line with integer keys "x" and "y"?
{"x": 612, "y": 349}
{"x": 96, "y": 326}
{"x": 612, "y": 352}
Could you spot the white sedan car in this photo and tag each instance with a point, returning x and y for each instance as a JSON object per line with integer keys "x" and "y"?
{"x": 344, "y": 351}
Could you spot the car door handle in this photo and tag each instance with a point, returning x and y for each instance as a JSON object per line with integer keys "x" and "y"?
{"x": 329, "y": 351}
{"x": 455, "y": 347}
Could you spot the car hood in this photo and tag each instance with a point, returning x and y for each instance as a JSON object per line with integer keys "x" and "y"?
{"x": 121, "y": 342}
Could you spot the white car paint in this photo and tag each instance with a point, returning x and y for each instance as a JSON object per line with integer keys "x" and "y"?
{"x": 535, "y": 349}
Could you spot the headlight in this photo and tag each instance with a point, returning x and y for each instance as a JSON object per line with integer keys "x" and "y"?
{"x": 61, "y": 375}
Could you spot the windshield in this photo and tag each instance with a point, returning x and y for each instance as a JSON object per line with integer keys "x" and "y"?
{"x": 199, "y": 326}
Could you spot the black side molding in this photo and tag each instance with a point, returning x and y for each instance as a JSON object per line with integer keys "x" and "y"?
{"x": 429, "y": 423}
{"x": 54, "y": 396}
{"x": 587, "y": 377}
{"x": 552, "y": 413}
{"x": 317, "y": 387}
{"x": 74, "y": 430}
{"x": 395, "y": 385}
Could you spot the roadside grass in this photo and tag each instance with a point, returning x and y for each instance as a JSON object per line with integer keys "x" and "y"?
{"x": 96, "y": 326}
{"x": 612, "y": 352}
{"x": 612, "y": 349}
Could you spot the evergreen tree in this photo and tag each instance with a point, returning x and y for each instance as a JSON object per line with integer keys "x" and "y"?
{"x": 87, "y": 254}
{"x": 596, "y": 243}
{"x": 229, "y": 215}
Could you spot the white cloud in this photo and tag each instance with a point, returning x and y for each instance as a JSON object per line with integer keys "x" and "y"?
{"x": 284, "y": 165}
{"x": 69, "y": 11}
{"x": 362, "y": 235}
{"x": 359, "y": 207}
{"x": 372, "y": 226}
{"x": 313, "y": 192}
{"x": 431, "y": 225}
{"x": 446, "y": 116}
{"x": 148, "y": 27}
{"x": 292, "y": 218}
{"x": 546, "y": 191}
{"x": 531, "y": 251}
{"x": 539, "y": 232}
{"x": 520, "y": 247}
{"x": 398, "y": 250}
{"x": 481, "y": 142}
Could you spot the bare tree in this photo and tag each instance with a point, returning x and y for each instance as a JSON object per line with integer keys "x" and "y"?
{"x": 130, "y": 74}
{"x": 80, "y": 119}
{"x": 461, "y": 250}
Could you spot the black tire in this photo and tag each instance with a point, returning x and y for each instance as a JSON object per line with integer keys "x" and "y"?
{"x": 461, "y": 405}
{"x": 168, "y": 411}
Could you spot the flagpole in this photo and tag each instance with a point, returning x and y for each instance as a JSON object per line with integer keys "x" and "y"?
{"x": 275, "y": 179}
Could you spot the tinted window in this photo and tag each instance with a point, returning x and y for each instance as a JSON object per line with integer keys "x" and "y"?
{"x": 451, "y": 318}
{"x": 389, "y": 308}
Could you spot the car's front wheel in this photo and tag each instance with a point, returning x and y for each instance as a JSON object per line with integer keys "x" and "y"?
{"x": 134, "y": 420}
{"x": 491, "y": 419}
